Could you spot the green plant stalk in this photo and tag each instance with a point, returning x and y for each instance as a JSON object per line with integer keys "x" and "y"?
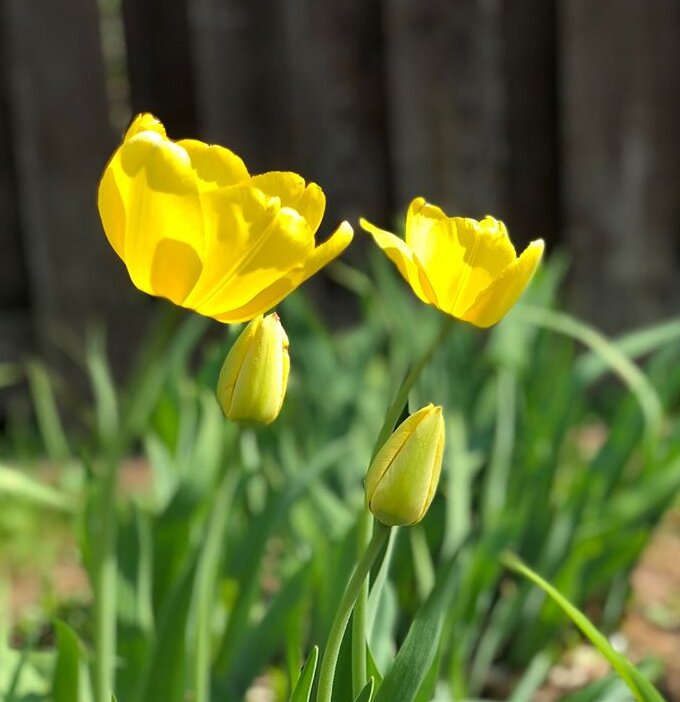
{"x": 332, "y": 649}
{"x": 208, "y": 571}
{"x": 104, "y": 580}
{"x": 359, "y": 620}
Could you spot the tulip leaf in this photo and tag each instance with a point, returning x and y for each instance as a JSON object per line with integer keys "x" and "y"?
{"x": 65, "y": 682}
{"x": 413, "y": 664}
{"x": 367, "y": 693}
{"x": 303, "y": 687}
{"x": 637, "y": 683}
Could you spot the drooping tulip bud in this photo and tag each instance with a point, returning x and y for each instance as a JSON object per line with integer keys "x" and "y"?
{"x": 254, "y": 376}
{"x": 402, "y": 479}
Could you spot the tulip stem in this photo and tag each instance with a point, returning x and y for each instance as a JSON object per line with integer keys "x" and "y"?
{"x": 206, "y": 582}
{"x": 359, "y": 673}
{"x": 337, "y": 632}
{"x": 104, "y": 582}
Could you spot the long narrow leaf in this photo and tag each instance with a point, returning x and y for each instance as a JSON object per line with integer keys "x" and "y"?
{"x": 639, "y": 685}
{"x": 303, "y": 687}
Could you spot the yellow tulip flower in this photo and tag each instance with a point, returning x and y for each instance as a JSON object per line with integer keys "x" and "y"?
{"x": 463, "y": 267}
{"x": 193, "y": 226}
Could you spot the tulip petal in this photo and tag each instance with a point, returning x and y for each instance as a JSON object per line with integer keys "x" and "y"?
{"x": 290, "y": 188}
{"x": 144, "y": 122}
{"x": 152, "y": 180}
{"x": 272, "y": 295}
{"x": 175, "y": 268}
{"x": 420, "y": 218}
{"x": 325, "y": 252}
{"x": 495, "y": 301}
{"x": 112, "y": 211}
{"x": 462, "y": 256}
{"x": 404, "y": 259}
{"x": 215, "y": 166}
{"x": 264, "y": 243}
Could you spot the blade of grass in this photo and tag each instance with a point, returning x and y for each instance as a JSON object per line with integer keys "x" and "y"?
{"x": 22, "y": 486}
{"x": 66, "y": 679}
{"x": 620, "y": 364}
{"x": 49, "y": 422}
{"x": 638, "y": 684}
{"x": 303, "y": 687}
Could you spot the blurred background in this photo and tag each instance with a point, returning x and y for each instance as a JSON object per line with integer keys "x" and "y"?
{"x": 561, "y": 117}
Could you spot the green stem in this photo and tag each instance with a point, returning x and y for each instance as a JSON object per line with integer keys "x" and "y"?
{"x": 104, "y": 580}
{"x": 208, "y": 572}
{"x": 360, "y": 615}
{"x": 359, "y": 673}
{"x": 335, "y": 636}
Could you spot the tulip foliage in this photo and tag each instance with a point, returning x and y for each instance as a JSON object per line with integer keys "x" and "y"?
{"x": 340, "y": 515}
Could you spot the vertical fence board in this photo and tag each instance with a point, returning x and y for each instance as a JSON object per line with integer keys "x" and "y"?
{"x": 63, "y": 138}
{"x": 531, "y": 175}
{"x": 446, "y": 96}
{"x": 15, "y": 323}
{"x": 241, "y": 79}
{"x": 621, "y": 102}
{"x": 160, "y": 68}
{"x": 336, "y": 51}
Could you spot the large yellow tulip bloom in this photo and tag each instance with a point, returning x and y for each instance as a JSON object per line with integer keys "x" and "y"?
{"x": 466, "y": 268}
{"x": 192, "y": 225}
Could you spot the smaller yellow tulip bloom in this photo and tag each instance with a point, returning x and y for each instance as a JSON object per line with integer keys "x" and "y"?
{"x": 193, "y": 226}
{"x": 254, "y": 376}
{"x": 465, "y": 268}
{"x": 403, "y": 476}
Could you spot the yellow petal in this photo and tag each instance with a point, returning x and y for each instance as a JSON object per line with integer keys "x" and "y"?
{"x": 421, "y": 216}
{"x": 290, "y": 188}
{"x": 261, "y": 303}
{"x": 175, "y": 268}
{"x": 325, "y": 252}
{"x": 404, "y": 259}
{"x": 272, "y": 295}
{"x": 144, "y": 122}
{"x": 462, "y": 257}
{"x": 112, "y": 211}
{"x": 494, "y": 302}
{"x": 152, "y": 179}
{"x": 260, "y": 249}
{"x": 215, "y": 166}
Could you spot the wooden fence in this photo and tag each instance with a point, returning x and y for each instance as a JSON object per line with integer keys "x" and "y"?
{"x": 562, "y": 117}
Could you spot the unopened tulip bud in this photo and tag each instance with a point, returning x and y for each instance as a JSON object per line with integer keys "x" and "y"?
{"x": 402, "y": 479}
{"x": 253, "y": 379}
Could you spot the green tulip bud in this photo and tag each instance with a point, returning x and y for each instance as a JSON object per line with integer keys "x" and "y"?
{"x": 254, "y": 376}
{"x": 403, "y": 476}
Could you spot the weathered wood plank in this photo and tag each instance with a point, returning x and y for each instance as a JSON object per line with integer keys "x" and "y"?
{"x": 531, "y": 175}
{"x": 15, "y": 321}
{"x": 621, "y": 109}
{"x": 298, "y": 85}
{"x": 160, "y": 69}
{"x": 447, "y": 103}
{"x": 63, "y": 138}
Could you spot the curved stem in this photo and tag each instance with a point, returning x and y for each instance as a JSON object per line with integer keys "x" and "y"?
{"x": 332, "y": 650}
{"x": 359, "y": 673}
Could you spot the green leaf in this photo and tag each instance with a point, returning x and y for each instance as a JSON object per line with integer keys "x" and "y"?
{"x": 419, "y": 652}
{"x": 303, "y": 687}
{"x": 638, "y": 383}
{"x": 18, "y": 484}
{"x": 639, "y": 685}
{"x": 163, "y": 680}
{"x": 65, "y": 683}
{"x": 367, "y": 693}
